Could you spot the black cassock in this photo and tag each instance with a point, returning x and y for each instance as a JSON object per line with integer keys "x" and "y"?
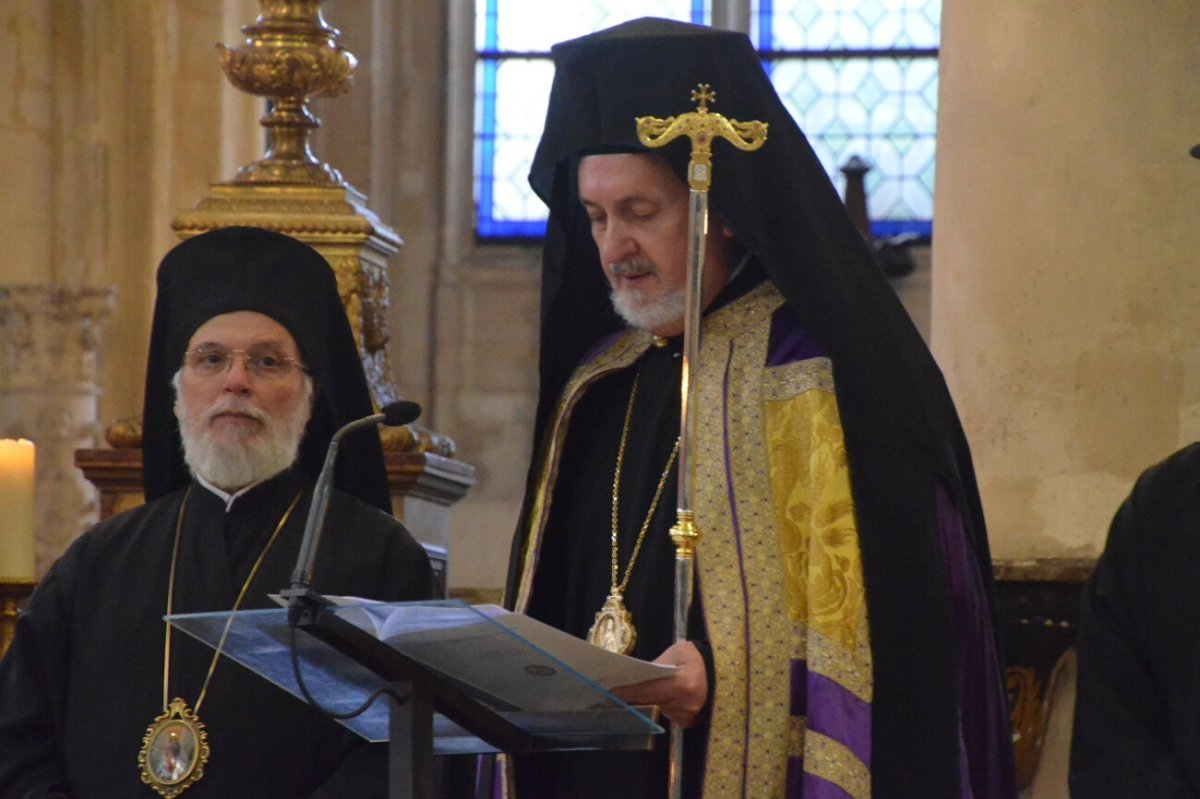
{"x": 574, "y": 573}
{"x": 83, "y": 678}
{"x": 1137, "y": 713}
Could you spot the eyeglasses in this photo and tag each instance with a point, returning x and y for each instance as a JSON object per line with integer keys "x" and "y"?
{"x": 267, "y": 363}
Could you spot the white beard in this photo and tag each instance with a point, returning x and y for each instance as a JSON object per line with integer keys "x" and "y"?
{"x": 667, "y": 311}
{"x": 234, "y": 464}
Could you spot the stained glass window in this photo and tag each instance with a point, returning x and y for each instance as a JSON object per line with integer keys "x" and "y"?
{"x": 860, "y": 76}
{"x": 512, "y": 86}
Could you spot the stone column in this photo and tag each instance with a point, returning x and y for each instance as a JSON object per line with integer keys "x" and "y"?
{"x": 49, "y": 395}
{"x": 1065, "y": 291}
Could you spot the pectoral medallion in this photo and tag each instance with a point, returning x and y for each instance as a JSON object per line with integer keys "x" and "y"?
{"x": 613, "y": 629}
{"x": 174, "y": 751}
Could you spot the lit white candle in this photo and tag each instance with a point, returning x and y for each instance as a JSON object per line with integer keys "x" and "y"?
{"x": 16, "y": 509}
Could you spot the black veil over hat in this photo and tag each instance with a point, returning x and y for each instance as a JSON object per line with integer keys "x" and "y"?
{"x": 778, "y": 201}
{"x": 250, "y": 269}
{"x": 902, "y": 433}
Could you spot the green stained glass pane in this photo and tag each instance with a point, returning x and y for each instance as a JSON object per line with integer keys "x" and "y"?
{"x": 926, "y": 175}
{"x": 799, "y": 91}
{"x": 869, "y": 93}
{"x": 927, "y": 87}
{"x": 871, "y": 13}
{"x": 901, "y": 135}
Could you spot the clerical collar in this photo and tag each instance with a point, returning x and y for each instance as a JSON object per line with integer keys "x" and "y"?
{"x": 225, "y": 496}
{"x": 737, "y": 270}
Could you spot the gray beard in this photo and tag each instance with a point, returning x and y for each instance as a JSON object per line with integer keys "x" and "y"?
{"x": 667, "y": 311}
{"x": 233, "y": 465}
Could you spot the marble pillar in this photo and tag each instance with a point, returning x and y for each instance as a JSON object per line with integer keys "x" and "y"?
{"x": 49, "y": 394}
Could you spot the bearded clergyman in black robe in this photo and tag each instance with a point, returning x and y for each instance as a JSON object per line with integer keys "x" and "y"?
{"x": 842, "y": 638}
{"x": 252, "y": 367}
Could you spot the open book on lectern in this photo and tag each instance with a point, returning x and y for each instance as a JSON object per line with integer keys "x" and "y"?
{"x": 486, "y": 646}
{"x": 528, "y": 686}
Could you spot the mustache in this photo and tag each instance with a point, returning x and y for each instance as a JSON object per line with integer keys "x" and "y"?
{"x": 233, "y": 405}
{"x": 633, "y": 266}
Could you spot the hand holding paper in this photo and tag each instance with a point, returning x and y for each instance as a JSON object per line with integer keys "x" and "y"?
{"x": 681, "y": 695}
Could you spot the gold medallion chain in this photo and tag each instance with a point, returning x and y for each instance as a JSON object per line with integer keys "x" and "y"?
{"x": 613, "y": 628}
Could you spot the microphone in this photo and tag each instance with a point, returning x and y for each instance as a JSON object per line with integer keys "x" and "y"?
{"x": 393, "y": 414}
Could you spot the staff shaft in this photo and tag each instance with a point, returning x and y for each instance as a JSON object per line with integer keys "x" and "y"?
{"x": 685, "y": 532}
{"x": 701, "y": 128}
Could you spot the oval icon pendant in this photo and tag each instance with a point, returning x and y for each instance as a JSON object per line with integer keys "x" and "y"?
{"x": 174, "y": 751}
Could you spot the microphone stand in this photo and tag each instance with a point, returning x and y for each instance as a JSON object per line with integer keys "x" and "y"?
{"x": 303, "y": 604}
{"x": 410, "y": 751}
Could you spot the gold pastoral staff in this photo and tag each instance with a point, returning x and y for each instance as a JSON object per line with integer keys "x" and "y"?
{"x": 702, "y": 127}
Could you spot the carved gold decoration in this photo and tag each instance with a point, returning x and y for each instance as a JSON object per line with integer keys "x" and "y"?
{"x": 290, "y": 54}
{"x": 685, "y": 534}
{"x": 336, "y": 222}
{"x": 1027, "y": 717}
{"x": 1038, "y": 603}
{"x": 125, "y": 432}
{"x": 1031, "y": 703}
{"x": 12, "y": 594}
{"x": 415, "y": 438}
{"x": 1030, "y": 707}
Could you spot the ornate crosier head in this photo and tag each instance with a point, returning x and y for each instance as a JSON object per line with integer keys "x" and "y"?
{"x": 701, "y": 127}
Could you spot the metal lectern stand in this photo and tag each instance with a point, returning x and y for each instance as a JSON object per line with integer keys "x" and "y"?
{"x": 459, "y": 682}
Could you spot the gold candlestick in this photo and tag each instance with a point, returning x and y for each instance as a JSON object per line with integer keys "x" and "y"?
{"x": 290, "y": 54}
{"x": 13, "y": 594}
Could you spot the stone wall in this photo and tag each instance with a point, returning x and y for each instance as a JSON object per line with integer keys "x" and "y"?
{"x": 1064, "y": 283}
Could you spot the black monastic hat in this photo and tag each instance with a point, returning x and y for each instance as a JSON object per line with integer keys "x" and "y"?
{"x": 250, "y": 269}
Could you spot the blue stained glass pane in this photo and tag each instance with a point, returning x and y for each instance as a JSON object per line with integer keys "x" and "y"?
{"x": 515, "y": 109}
{"x": 485, "y": 25}
{"x": 885, "y": 228}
